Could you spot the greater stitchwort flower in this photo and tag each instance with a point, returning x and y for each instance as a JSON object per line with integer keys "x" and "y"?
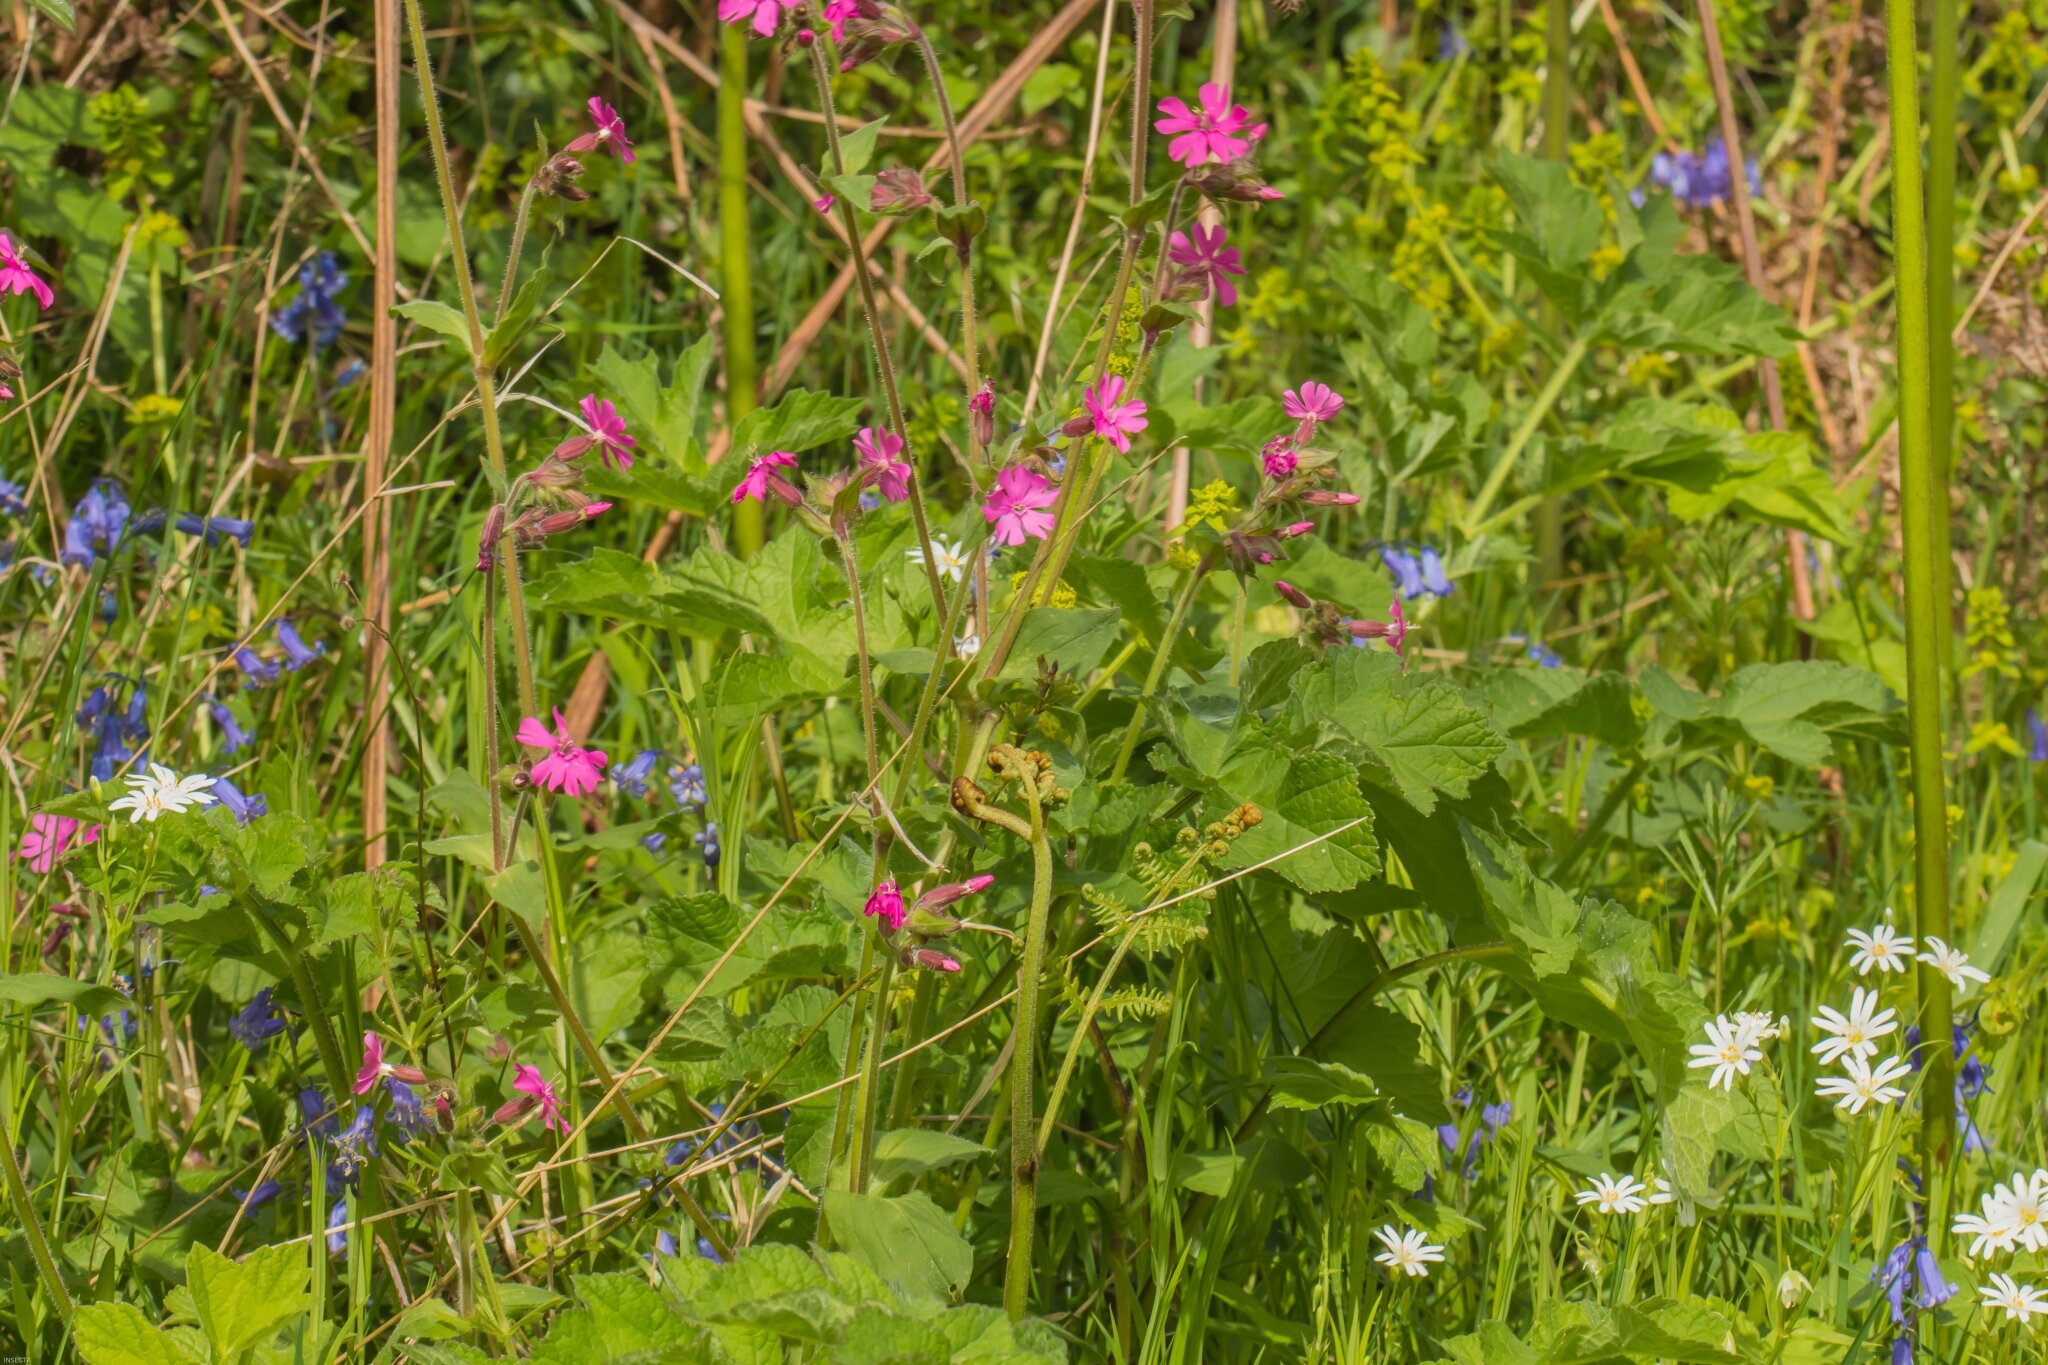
{"x": 1883, "y": 948}
{"x": 161, "y": 792}
{"x": 1407, "y": 1250}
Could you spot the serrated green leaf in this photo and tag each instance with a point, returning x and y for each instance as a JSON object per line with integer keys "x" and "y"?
{"x": 622, "y": 1319}
{"x": 800, "y": 420}
{"x": 120, "y": 1334}
{"x": 907, "y": 1239}
{"x": 1429, "y": 737}
{"x": 242, "y": 1303}
{"x": 1074, "y": 639}
{"x": 1316, "y": 829}
{"x": 1304, "y": 1083}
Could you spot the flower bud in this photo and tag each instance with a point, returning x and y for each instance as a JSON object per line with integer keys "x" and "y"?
{"x": 804, "y": 38}
{"x": 939, "y": 897}
{"x": 1297, "y": 528}
{"x": 931, "y": 960}
{"x": 554, "y": 523}
{"x": 1793, "y": 1287}
{"x": 494, "y": 531}
{"x": 575, "y": 448}
{"x": 982, "y": 412}
{"x": 1079, "y": 426}
{"x": 1239, "y": 180}
{"x": 1295, "y": 596}
{"x": 900, "y": 190}
{"x": 1323, "y": 497}
{"x": 558, "y": 174}
{"x": 516, "y": 1108}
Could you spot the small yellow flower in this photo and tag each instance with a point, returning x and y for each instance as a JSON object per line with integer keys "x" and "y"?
{"x": 1062, "y": 595}
{"x": 1992, "y": 735}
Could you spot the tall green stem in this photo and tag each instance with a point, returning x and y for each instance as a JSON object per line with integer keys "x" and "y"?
{"x": 968, "y": 342}
{"x": 1161, "y": 662}
{"x": 1921, "y": 507}
{"x": 1497, "y": 478}
{"x": 1557, "y": 135}
{"x": 1941, "y": 271}
{"x": 31, "y": 1226}
{"x": 1023, "y": 1066}
{"x": 735, "y": 261}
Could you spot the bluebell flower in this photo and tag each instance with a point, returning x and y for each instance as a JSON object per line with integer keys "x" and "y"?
{"x": 213, "y": 528}
{"x": 256, "y": 669}
{"x": 257, "y": 1023}
{"x": 320, "y": 279}
{"x": 686, "y": 784}
{"x": 1973, "y": 1136}
{"x": 1435, "y": 581}
{"x": 707, "y": 840}
{"x": 233, "y": 738}
{"x": 354, "y": 1147}
{"x": 117, "y": 729}
{"x": 406, "y": 1112}
{"x": 110, "y": 606}
{"x": 653, "y": 842}
{"x": 243, "y": 807}
{"x": 1912, "y": 1269}
{"x": 1407, "y": 571}
{"x": 351, "y": 370}
{"x": 1492, "y": 1118}
{"x": 296, "y": 652}
{"x": 97, "y": 524}
{"x": 2037, "y": 736}
{"x": 1902, "y": 1350}
{"x": 316, "y": 1116}
{"x": 1700, "y": 180}
{"x": 251, "y": 1200}
{"x": 631, "y": 777}
{"x": 337, "y": 1235}
{"x": 665, "y": 1244}
{"x": 12, "y": 504}
{"x": 1450, "y": 44}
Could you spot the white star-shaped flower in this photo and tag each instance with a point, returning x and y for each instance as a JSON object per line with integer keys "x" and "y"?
{"x": 160, "y": 792}
{"x": 949, "y": 557}
{"x": 1613, "y": 1195}
{"x": 1406, "y": 1250}
{"x": 1857, "y": 1031}
{"x": 2019, "y": 1302}
{"x": 1884, "y": 948}
{"x": 1864, "y": 1084}
{"x": 1954, "y": 964}
{"x": 1729, "y": 1049}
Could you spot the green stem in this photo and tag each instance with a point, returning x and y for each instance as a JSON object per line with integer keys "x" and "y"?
{"x": 850, "y": 221}
{"x": 1161, "y": 661}
{"x": 1538, "y": 410}
{"x": 968, "y": 342}
{"x": 871, "y": 1080}
{"x": 1941, "y": 275}
{"x": 1922, "y": 506}
{"x": 1023, "y": 1061}
{"x": 1557, "y": 131}
{"x": 512, "y": 255}
{"x": 31, "y": 1227}
{"x": 736, "y": 262}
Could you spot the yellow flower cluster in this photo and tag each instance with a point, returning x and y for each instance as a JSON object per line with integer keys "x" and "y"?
{"x": 1062, "y": 594}
{"x": 1987, "y": 634}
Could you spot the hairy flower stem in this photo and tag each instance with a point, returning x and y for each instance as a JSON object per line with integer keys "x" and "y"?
{"x": 31, "y": 1226}
{"x": 520, "y": 218}
{"x": 1923, "y": 502}
{"x": 928, "y": 701}
{"x": 968, "y": 343}
{"x": 1162, "y": 660}
{"x": 862, "y": 1150}
{"x": 822, "y": 76}
{"x": 735, "y": 264}
{"x": 1023, "y": 1063}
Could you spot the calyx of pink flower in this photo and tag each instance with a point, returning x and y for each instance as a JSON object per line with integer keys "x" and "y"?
{"x": 558, "y": 175}
{"x": 1238, "y": 180}
{"x": 960, "y": 224}
{"x": 1295, "y": 596}
{"x": 898, "y": 191}
{"x": 939, "y": 897}
{"x": 1323, "y": 497}
{"x": 931, "y": 960}
{"x": 871, "y": 30}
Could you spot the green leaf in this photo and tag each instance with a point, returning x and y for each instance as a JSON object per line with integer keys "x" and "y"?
{"x": 1072, "y": 638}
{"x": 436, "y": 316}
{"x": 623, "y": 1318}
{"x": 1316, "y": 829}
{"x": 1796, "y": 710}
{"x": 857, "y": 148}
{"x": 242, "y": 1303}
{"x": 913, "y": 1151}
{"x": 2001, "y": 916}
{"x": 801, "y": 420}
{"x": 521, "y": 889}
{"x": 61, "y": 12}
{"x": 1560, "y": 217}
{"x": 1531, "y": 703}
{"x": 907, "y": 1239}
{"x": 45, "y": 116}
{"x": 120, "y": 1334}
{"x": 1303, "y": 1083}
{"x": 525, "y": 310}
{"x": 1429, "y": 737}
{"x": 44, "y": 988}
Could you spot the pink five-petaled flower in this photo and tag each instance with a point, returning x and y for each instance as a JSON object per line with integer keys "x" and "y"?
{"x": 878, "y": 451}
{"x": 375, "y": 1068}
{"x": 824, "y": 202}
{"x": 1211, "y": 132}
{"x": 608, "y": 429}
{"x": 610, "y": 134}
{"x": 765, "y": 14}
{"x": 527, "y": 1081}
{"x": 836, "y": 15}
{"x": 1206, "y": 257}
{"x": 1016, "y": 505}
{"x": 885, "y": 904}
{"x": 17, "y": 278}
{"x": 1394, "y": 632}
{"x": 761, "y": 477}
{"x": 566, "y": 766}
{"x": 1312, "y": 403}
{"x": 49, "y": 837}
{"x": 1115, "y": 421}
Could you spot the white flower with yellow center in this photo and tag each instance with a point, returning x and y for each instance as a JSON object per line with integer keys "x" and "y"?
{"x": 1954, "y": 964}
{"x": 949, "y": 557}
{"x": 1614, "y": 1195}
{"x": 161, "y": 792}
{"x": 1407, "y": 1251}
{"x": 2019, "y": 1302}
{"x": 1883, "y": 948}
{"x": 1864, "y": 1085}
{"x": 1855, "y": 1032}
{"x": 1729, "y": 1049}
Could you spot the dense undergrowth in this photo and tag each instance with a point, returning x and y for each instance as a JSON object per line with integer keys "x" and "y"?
{"x": 1083, "y": 681}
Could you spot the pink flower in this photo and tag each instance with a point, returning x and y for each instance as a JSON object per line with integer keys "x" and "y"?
{"x": 610, "y": 135}
{"x": 765, "y": 14}
{"x": 1323, "y": 497}
{"x": 1016, "y": 505}
{"x": 1394, "y": 632}
{"x": 49, "y": 837}
{"x": 566, "y": 766}
{"x": 1279, "y": 457}
{"x": 527, "y": 1081}
{"x": 823, "y": 203}
{"x": 836, "y": 15}
{"x": 5, "y": 392}
{"x": 1313, "y": 403}
{"x": 375, "y": 1068}
{"x": 614, "y": 446}
{"x": 899, "y": 190}
{"x": 761, "y": 478}
{"x": 1296, "y": 528}
{"x": 878, "y": 462}
{"x": 931, "y": 959}
{"x": 17, "y": 278}
{"x": 886, "y": 904}
{"x": 1115, "y": 421}
{"x": 1211, "y": 133}
{"x": 939, "y": 897}
{"x": 1207, "y": 257}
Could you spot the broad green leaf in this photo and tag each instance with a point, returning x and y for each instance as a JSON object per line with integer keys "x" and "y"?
{"x": 61, "y": 12}
{"x": 1074, "y": 639}
{"x": 43, "y": 117}
{"x": 46, "y": 988}
{"x": 1304, "y": 1083}
{"x": 1532, "y": 703}
{"x": 622, "y": 1319}
{"x": 120, "y": 1334}
{"x": 913, "y": 1151}
{"x": 907, "y": 1239}
{"x": 1563, "y": 219}
{"x": 525, "y": 310}
{"x": 1316, "y": 829}
{"x": 521, "y": 889}
{"x": 242, "y": 1303}
{"x": 665, "y": 418}
{"x": 857, "y": 148}
{"x": 800, "y": 420}
{"x": 2001, "y": 915}
{"x": 1429, "y": 737}
{"x": 436, "y": 316}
